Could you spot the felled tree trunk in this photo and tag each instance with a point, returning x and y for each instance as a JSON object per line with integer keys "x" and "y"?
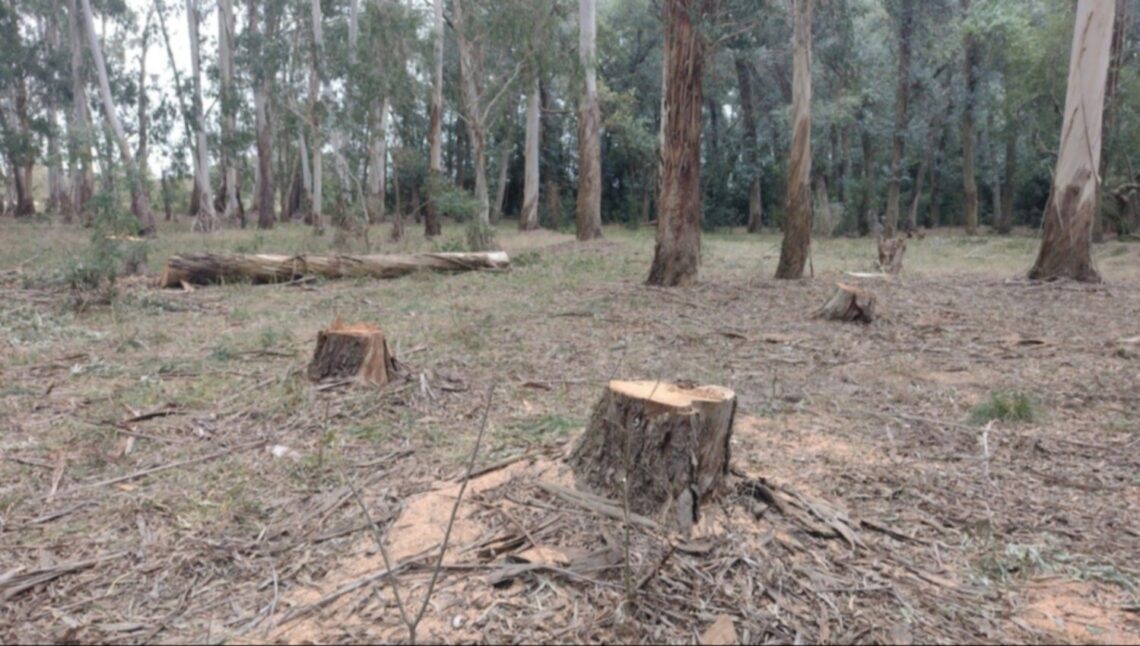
{"x": 669, "y": 444}
{"x": 205, "y": 268}
{"x": 891, "y": 252}
{"x": 352, "y": 351}
{"x": 849, "y": 304}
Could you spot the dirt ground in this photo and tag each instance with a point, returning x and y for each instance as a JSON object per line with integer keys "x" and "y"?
{"x": 167, "y": 473}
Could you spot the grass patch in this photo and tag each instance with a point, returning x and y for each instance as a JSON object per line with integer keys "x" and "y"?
{"x": 1006, "y": 406}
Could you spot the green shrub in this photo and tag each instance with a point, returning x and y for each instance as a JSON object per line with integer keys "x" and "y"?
{"x": 1006, "y": 406}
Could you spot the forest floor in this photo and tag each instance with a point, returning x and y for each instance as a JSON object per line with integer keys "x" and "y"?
{"x": 167, "y": 473}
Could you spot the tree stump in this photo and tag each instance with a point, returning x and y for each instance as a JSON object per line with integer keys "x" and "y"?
{"x": 668, "y": 443}
{"x": 849, "y": 304}
{"x": 352, "y": 351}
{"x": 891, "y": 251}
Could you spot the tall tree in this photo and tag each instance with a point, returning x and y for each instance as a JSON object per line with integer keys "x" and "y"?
{"x": 140, "y": 201}
{"x": 262, "y": 90}
{"x": 970, "y": 71}
{"x": 1112, "y": 100}
{"x": 205, "y": 219}
{"x": 905, "y": 19}
{"x": 228, "y": 102}
{"x": 528, "y": 219}
{"x": 677, "y": 253}
{"x": 79, "y": 125}
{"x": 435, "y": 155}
{"x": 1067, "y": 239}
{"x": 797, "y": 212}
{"x": 588, "y": 215}
{"x": 317, "y": 52}
{"x": 751, "y": 142}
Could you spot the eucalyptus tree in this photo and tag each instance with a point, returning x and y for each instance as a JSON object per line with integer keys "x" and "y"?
{"x": 588, "y": 214}
{"x": 1067, "y": 239}
{"x": 205, "y": 219}
{"x": 798, "y": 213}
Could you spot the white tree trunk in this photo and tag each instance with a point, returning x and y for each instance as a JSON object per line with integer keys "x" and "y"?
{"x": 138, "y": 175}
{"x": 473, "y": 109}
{"x": 797, "y": 218}
{"x": 1067, "y": 240}
{"x": 528, "y": 219}
{"x": 79, "y": 162}
{"x": 206, "y": 219}
{"x": 314, "y": 113}
{"x": 378, "y": 164}
{"x": 437, "y": 91}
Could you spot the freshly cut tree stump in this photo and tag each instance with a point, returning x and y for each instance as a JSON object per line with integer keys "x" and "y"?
{"x": 891, "y": 252}
{"x": 348, "y": 351}
{"x": 850, "y": 304}
{"x": 206, "y": 268}
{"x": 669, "y": 442}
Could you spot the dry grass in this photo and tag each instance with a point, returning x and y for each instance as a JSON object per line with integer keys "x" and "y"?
{"x": 212, "y": 548}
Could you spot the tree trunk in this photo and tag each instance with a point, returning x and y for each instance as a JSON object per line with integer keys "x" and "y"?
{"x": 475, "y": 125}
{"x": 58, "y": 199}
{"x": 143, "y": 103}
{"x": 678, "y": 249}
{"x": 822, "y": 224}
{"x": 1066, "y": 242}
{"x": 1119, "y": 30}
{"x": 902, "y": 99}
{"x": 868, "y": 218}
{"x": 228, "y": 102}
{"x": 588, "y": 212}
{"x": 79, "y": 153}
{"x": 205, "y": 219}
{"x": 315, "y": 117}
{"x": 501, "y": 187}
{"x": 378, "y": 165}
{"x": 661, "y": 448}
{"x": 167, "y": 197}
{"x": 995, "y": 168}
{"x": 528, "y": 218}
{"x": 206, "y": 268}
{"x": 751, "y": 143}
{"x": 140, "y": 203}
{"x": 435, "y": 167}
{"x": 797, "y": 212}
{"x": 262, "y": 90}
{"x": 969, "y": 186}
{"x": 1005, "y": 222}
{"x": 553, "y": 204}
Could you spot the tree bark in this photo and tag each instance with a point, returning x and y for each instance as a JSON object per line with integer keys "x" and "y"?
{"x": 662, "y": 448}
{"x": 678, "y": 249}
{"x": 1005, "y": 222}
{"x": 205, "y": 219}
{"x": 1116, "y": 60}
{"x": 528, "y": 218}
{"x": 315, "y": 116}
{"x": 262, "y": 90}
{"x": 906, "y": 20}
{"x": 504, "y": 167}
{"x": 1066, "y": 242}
{"x": 751, "y": 143}
{"x": 58, "y": 198}
{"x": 228, "y": 103}
{"x": 79, "y": 147}
{"x": 867, "y": 208}
{"x": 140, "y": 202}
{"x": 378, "y": 165}
{"x": 352, "y": 351}
{"x": 797, "y": 212}
{"x": 435, "y": 166}
{"x": 970, "y": 185}
{"x": 849, "y": 304}
{"x": 588, "y": 212}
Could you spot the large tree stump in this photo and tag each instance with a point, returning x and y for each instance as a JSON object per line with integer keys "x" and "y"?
{"x": 352, "y": 351}
{"x": 849, "y": 304}
{"x": 668, "y": 443}
{"x": 891, "y": 252}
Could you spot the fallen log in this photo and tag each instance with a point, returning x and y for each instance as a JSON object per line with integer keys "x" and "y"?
{"x": 663, "y": 447}
{"x": 207, "y": 268}
{"x": 352, "y": 351}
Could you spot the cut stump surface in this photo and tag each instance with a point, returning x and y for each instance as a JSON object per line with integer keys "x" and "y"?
{"x": 352, "y": 351}
{"x": 671, "y": 442}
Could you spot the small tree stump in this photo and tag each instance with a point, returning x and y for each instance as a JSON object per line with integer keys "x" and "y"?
{"x": 891, "y": 252}
{"x": 347, "y": 351}
{"x": 669, "y": 442}
{"x": 849, "y": 304}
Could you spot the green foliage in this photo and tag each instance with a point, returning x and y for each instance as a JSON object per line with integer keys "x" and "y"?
{"x": 1006, "y": 406}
